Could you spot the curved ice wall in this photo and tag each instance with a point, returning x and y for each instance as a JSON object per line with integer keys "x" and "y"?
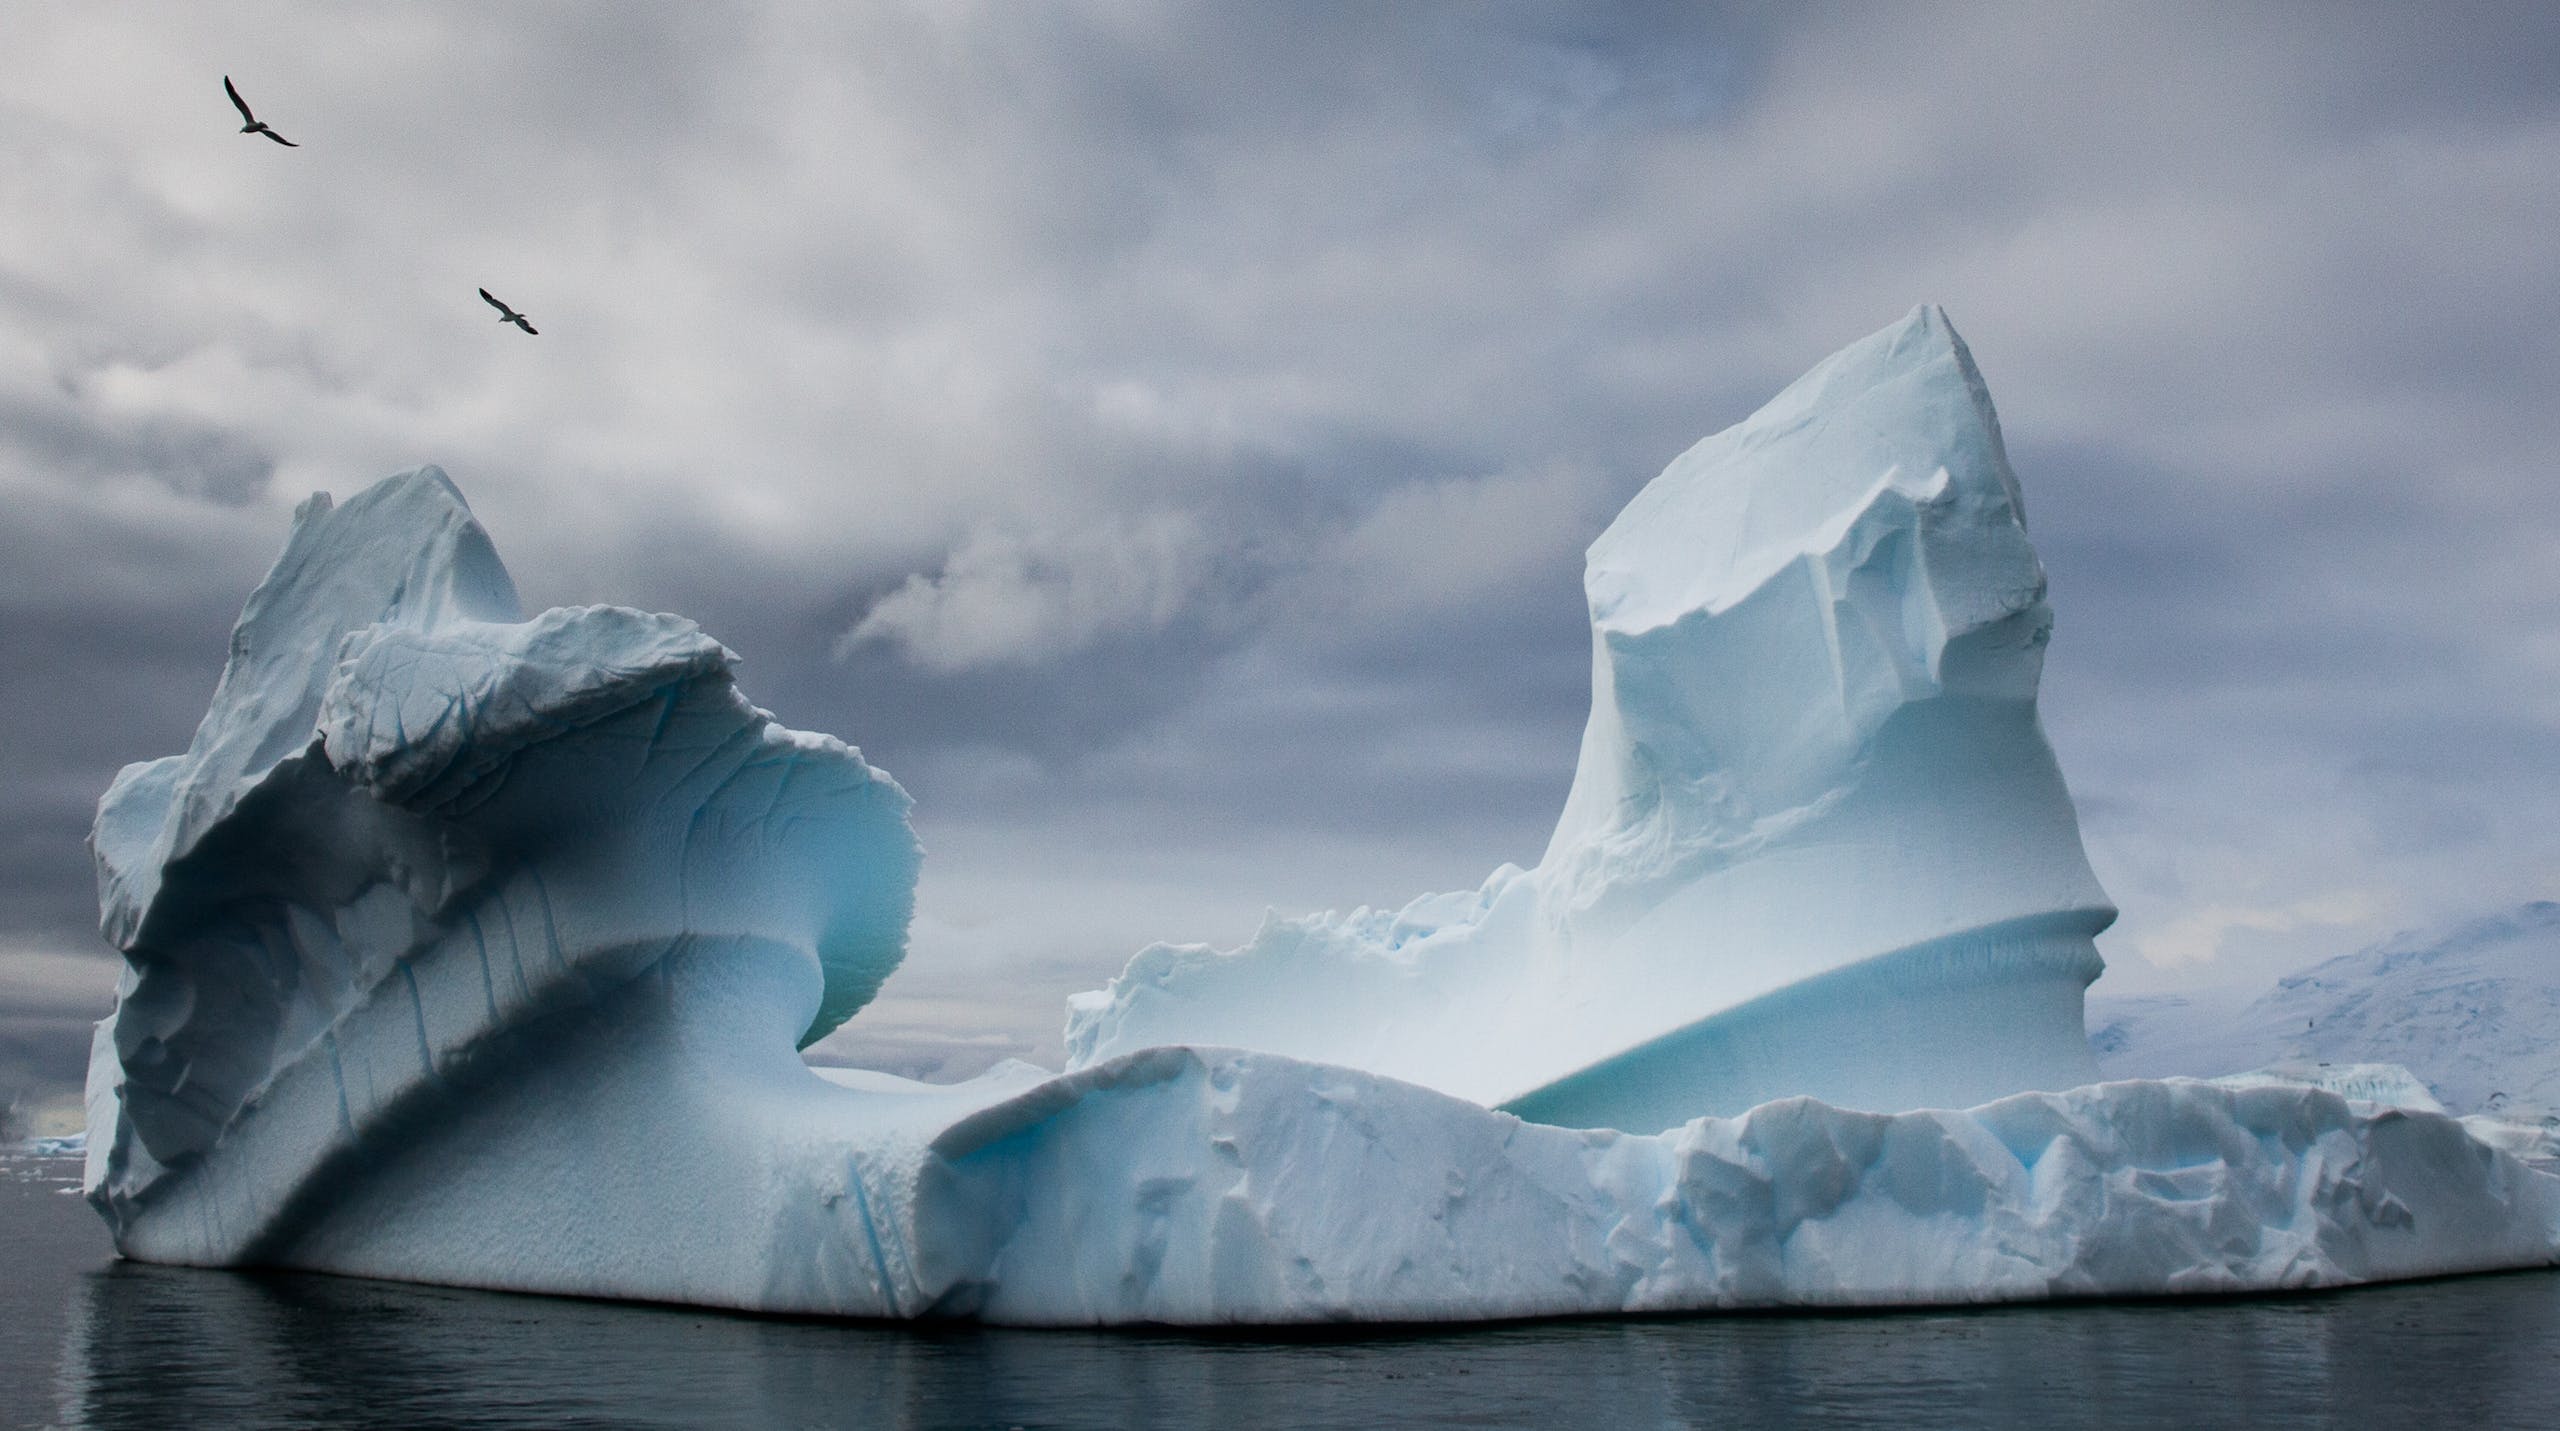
{"x": 1816, "y": 842}
{"x": 418, "y": 842}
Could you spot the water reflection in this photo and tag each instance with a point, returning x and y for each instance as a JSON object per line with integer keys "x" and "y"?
{"x": 159, "y": 1347}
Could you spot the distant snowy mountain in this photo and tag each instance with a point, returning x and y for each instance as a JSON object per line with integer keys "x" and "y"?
{"x": 2474, "y": 1010}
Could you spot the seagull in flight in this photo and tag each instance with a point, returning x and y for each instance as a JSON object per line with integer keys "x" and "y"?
{"x": 251, "y": 123}
{"x": 506, "y": 314}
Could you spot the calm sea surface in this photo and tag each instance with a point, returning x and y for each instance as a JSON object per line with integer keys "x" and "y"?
{"x": 89, "y": 1341}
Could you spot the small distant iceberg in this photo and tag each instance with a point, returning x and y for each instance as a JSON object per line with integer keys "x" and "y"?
{"x": 476, "y": 948}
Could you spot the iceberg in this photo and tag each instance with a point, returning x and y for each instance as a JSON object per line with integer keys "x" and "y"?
{"x": 1816, "y": 841}
{"x": 475, "y": 948}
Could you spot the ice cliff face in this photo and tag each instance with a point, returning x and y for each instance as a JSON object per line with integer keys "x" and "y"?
{"x": 1816, "y": 842}
{"x": 413, "y": 831}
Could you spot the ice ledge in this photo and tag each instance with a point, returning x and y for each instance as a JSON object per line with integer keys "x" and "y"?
{"x": 1204, "y": 1186}
{"x": 1365, "y": 1199}
{"x": 421, "y": 712}
{"x": 412, "y": 828}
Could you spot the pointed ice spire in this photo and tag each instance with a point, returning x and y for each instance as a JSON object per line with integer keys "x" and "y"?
{"x": 1895, "y": 407}
{"x": 1816, "y": 841}
{"x": 405, "y": 552}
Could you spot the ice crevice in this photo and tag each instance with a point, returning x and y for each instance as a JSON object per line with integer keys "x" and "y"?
{"x": 1788, "y": 1012}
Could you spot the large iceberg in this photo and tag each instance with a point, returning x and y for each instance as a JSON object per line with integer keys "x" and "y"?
{"x": 470, "y": 948}
{"x": 1816, "y": 842}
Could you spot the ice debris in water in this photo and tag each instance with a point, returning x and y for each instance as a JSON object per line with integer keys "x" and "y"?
{"x": 474, "y": 949}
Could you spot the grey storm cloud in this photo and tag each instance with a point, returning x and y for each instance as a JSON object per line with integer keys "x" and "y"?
{"x": 1164, "y": 435}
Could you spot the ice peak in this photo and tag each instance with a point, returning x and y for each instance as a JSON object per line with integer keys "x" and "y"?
{"x": 1892, "y": 410}
{"x": 403, "y": 553}
{"x": 1786, "y": 587}
{"x": 414, "y": 828}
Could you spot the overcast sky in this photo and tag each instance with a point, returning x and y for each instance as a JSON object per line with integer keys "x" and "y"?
{"x": 1164, "y": 436}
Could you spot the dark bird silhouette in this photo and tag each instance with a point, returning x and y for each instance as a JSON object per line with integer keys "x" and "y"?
{"x": 506, "y": 314}
{"x": 251, "y": 123}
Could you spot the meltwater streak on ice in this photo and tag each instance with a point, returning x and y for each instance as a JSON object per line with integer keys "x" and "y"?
{"x": 472, "y": 949}
{"x": 1816, "y": 842}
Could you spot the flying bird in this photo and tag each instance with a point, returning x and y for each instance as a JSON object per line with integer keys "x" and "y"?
{"x": 506, "y": 314}
{"x": 251, "y": 123}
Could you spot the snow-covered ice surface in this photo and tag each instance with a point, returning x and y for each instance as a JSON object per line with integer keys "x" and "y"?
{"x": 2387, "y": 1084}
{"x": 1816, "y": 841}
{"x": 474, "y": 949}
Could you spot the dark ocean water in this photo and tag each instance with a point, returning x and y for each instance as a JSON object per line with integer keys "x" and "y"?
{"x": 89, "y": 1341}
